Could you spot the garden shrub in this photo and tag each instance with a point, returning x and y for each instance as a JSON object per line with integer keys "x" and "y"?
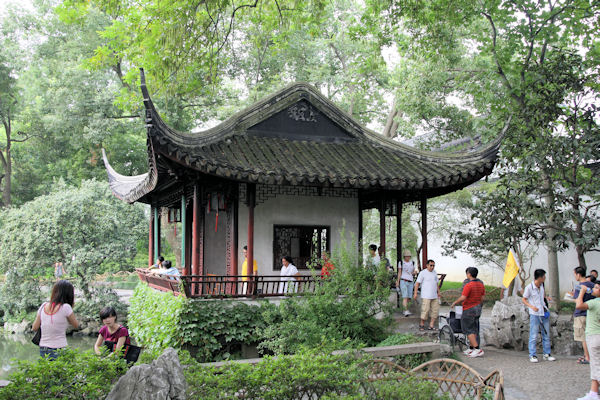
{"x": 219, "y": 328}
{"x": 73, "y": 375}
{"x": 154, "y": 318}
{"x": 307, "y": 374}
{"x": 350, "y": 304}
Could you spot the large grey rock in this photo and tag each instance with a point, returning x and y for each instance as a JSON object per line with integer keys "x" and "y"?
{"x": 509, "y": 324}
{"x": 161, "y": 380}
{"x": 562, "y": 339}
{"x": 510, "y": 329}
{"x": 17, "y": 327}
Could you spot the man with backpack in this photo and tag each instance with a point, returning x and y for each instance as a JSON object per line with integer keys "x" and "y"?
{"x": 535, "y": 299}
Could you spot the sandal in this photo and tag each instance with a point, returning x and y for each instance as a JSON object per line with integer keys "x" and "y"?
{"x": 421, "y": 328}
{"x": 582, "y": 360}
{"x": 431, "y": 328}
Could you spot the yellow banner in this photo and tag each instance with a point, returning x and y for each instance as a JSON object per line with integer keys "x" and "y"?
{"x": 511, "y": 270}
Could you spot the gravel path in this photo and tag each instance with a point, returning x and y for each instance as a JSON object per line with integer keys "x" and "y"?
{"x": 561, "y": 379}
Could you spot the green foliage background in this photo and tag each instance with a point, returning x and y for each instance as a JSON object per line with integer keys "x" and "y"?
{"x": 81, "y": 226}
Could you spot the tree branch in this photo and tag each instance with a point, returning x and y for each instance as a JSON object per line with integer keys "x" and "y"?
{"x": 497, "y": 61}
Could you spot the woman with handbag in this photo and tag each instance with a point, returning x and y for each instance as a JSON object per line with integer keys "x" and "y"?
{"x": 53, "y": 318}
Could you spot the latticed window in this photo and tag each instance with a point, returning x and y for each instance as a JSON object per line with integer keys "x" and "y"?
{"x": 305, "y": 244}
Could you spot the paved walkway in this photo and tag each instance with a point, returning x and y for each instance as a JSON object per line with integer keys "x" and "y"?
{"x": 561, "y": 379}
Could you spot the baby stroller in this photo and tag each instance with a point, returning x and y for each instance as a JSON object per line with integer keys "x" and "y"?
{"x": 450, "y": 332}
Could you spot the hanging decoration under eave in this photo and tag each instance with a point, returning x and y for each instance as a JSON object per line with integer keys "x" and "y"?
{"x": 216, "y": 202}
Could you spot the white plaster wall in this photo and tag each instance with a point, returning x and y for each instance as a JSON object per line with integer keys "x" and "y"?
{"x": 567, "y": 260}
{"x": 215, "y": 243}
{"x": 489, "y": 273}
{"x": 295, "y": 210}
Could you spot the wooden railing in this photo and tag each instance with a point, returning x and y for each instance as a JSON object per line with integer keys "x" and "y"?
{"x": 207, "y": 286}
{"x": 161, "y": 282}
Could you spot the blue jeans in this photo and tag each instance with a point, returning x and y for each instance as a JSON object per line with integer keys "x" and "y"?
{"x": 49, "y": 352}
{"x": 535, "y": 323}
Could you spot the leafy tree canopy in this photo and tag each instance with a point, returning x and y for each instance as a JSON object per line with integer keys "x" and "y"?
{"x": 80, "y": 226}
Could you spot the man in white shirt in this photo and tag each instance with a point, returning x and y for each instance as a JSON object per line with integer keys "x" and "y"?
{"x": 430, "y": 293}
{"x": 533, "y": 298}
{"x": 405, "y": 281}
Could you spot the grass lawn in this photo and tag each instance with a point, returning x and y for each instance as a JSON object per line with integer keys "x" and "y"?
{"x": 492, "y": 293}
{"x": 448, "y": 285}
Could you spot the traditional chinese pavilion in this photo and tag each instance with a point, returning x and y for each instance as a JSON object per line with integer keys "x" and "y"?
{"x": 283, "y": 176}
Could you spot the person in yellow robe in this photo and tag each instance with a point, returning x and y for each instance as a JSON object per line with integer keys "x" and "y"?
{"x": 246, "y": 273}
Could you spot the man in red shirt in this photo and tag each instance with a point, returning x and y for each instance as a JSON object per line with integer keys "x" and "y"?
{"x": 472, "y": 300}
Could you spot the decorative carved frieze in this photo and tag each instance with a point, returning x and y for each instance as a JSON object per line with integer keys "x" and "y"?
{"x": 302, "y": 112}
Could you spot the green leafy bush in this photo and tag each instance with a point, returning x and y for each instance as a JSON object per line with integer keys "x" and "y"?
{"x": 350, "y": 304}
{"x": 73, "y": 375}
{"x": 154, "y": 318}
{"x": 308, "y": 374}
{"x": 219, "y": 328}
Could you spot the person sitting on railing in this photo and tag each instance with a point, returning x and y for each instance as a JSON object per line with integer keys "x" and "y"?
{"x": 159, "y": 262}
{"x": 288, "y": 273}
{"x": 167, "y": 269}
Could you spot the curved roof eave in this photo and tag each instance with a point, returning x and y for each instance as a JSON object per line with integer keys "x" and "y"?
{"x": 130, "y": 188}
{"x": 247, "y": 117}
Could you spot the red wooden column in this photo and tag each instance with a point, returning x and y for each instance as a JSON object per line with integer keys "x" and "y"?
{"x": 183, "y": 214}
{"x": 382, "y": 224}
{"x": 251, "y": 200}
{"x": 424, "y": 230}
{"x": 234, "y": 236}
{"x": 398, "y": 232}
{"x": 151, "y": 238}
{"x": 188, "y": 237}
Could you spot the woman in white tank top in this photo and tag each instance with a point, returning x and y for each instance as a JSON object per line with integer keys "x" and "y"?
{"x": 54, "y": 317}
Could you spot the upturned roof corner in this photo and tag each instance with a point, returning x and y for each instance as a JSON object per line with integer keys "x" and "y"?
{"x": 298, "y": 136}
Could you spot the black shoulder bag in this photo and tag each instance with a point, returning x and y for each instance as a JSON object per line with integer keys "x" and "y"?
{"x": 131, "y": 353}
{"x": 37, "y": 337}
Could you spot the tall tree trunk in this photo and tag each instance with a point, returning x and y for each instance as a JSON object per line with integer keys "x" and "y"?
{"x": 387, "y": 131}
{"x": 578, "y": 221}
{"x": 581, "y": 256}
{"x": 553, "y": 272}
{"x": 6, "y": 160}
{"x": 7, "y": 189}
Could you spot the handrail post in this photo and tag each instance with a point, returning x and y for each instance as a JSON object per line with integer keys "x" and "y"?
{"x": 255, "y": 286}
